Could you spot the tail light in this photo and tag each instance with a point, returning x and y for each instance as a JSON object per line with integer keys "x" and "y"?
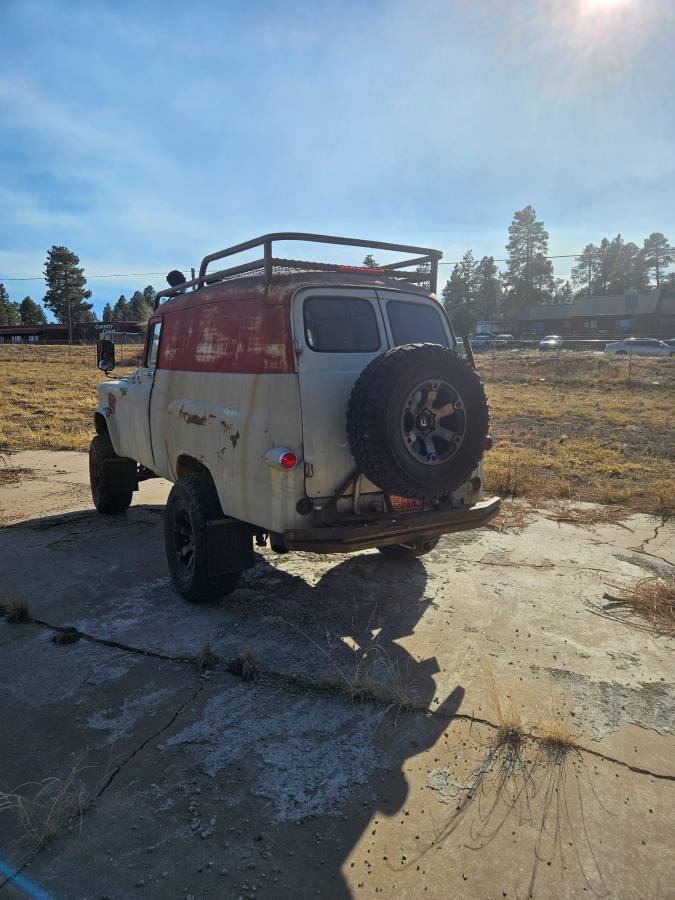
{"x": 488, "y": 442}
{"x": 281, "y": 458}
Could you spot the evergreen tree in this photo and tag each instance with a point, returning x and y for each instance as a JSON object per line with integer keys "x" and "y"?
{"x": 107, "y": 315}
{"x": 529, "y": 275}
{"x": 149, "y": 293}
{"x": 625, "y": 267}
{"x": 9, "y": 312}
{"x": 121, "y": 309}
{"x": 585, "y": 273}
{"x": 369, "y": 261}
{"x": 66, "y": 291}
{"x": 658, "y": 255}
{"x": 458, "y": 295}
{"x": 31, "y": 313}
{"x": 487, "y": 289}
{"x": 139, "y": 309}
{"x": 563, "y": 292}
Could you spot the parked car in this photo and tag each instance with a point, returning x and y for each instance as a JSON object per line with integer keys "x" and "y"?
{"x": 504, "y": 341}
{"x": 317, "y": 406}
{"x": 640, "y": 347}
{"x": 482, "y": 341}
{"x": 551, "y": 342}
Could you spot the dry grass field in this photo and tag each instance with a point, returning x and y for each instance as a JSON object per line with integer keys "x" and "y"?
{"x": 577, "y": 428}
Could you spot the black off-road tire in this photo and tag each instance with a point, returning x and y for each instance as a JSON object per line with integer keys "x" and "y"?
{"x": 374, "y": 415}
{"x": 108, "y": 495}
{"x": 192, "y": 503}
{"x": 409, "y": 551}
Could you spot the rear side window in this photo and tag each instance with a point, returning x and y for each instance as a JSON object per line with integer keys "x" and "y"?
{"x": 340, "y": 325}
{"x": 412, "y": 322}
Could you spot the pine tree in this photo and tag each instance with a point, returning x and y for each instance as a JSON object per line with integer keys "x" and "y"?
{"x": 66, "y": 292}
{"x": 658, "y": 255}
{"x": 31, "y": 313}
{"x": 369, "y": 261}
{"x": 9, "y": 312}
{"x": 139, "y": 309}
{"x": 529, "y": 275}
{"x": 585, "y": 273}
{"x": 624, "y": 267}
{"x": 487, "y": 289}
{"x": 149, "y": 293}
{"x": 458, "y": 295}
{"x": 121, "y": 309}
{"x": 107, "y": 315}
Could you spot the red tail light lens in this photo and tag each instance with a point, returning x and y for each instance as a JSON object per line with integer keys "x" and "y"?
{"x": 288, "y": 460}
{"x": 488, "y": 443}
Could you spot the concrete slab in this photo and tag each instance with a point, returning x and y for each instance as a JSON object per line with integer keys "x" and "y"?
{"x": 290, "y": 762}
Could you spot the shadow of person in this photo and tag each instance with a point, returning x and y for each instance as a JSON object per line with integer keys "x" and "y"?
{"x": 371, "y": 604}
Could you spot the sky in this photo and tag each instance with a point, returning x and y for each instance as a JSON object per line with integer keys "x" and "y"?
{"x": 146, "y": 135}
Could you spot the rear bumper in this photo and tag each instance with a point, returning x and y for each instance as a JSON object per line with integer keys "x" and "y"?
{"x": 402, "y": 528}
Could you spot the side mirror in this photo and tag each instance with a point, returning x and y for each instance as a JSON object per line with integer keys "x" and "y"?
{"x": 105, "y": 355}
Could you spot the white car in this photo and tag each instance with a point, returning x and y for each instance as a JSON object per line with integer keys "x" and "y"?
{"x": 640, "y": 347}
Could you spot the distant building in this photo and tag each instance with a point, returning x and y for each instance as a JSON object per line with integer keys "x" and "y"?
{"x": 83, "y": 332}
{"x": 615, "y": 316}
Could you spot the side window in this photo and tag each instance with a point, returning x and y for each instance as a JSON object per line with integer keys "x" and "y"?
{"x": 412, "y": 322}
{"x": 153, "y": 344}
{"x": 340, "y": 325}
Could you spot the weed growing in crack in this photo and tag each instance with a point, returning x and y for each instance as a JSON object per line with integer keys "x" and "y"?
{"x": 206, "y": 659}
{"x": 652, "y": 599}
{"x": 66, "y": 636}
{"x": 46, "y": 808}
{"x": 246, "y": 666}
{"x": 17, "y": 612}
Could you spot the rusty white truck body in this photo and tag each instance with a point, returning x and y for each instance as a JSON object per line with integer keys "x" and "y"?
{"x": 321, "y": 406}
{"x": 226, "y": 380}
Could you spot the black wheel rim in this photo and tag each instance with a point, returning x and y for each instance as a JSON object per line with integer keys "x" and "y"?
{"x": 183, "y": 541}
{"x": 433, "y": 422}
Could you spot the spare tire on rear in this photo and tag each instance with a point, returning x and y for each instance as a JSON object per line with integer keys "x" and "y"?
{"x": 417, "y": 420}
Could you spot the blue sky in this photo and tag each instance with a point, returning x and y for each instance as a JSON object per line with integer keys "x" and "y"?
{"x": 144, "y": 135}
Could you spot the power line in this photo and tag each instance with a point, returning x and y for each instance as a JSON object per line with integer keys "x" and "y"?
{"x": 145, "y": 274}
{"x": 112, "y": 275}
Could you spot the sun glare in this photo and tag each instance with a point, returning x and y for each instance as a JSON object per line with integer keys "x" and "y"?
{"x": 591, "y": 7}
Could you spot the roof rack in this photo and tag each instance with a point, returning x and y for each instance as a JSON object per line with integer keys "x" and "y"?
{"x": 268, "y": 264}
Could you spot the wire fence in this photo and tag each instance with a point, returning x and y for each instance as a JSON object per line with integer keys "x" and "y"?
{"x": 127, "y": 352}
{"x": 517, "y": 366}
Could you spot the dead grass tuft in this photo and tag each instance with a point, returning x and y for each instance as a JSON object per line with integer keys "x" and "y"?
{"x": 44, "y": 809}
{"x": 514, "y": 515}
{"x": 246, "y": 666}
{"x": 378, "y": 678}
{"x": 555, "y": 735}
{"x": 652, "y": 599}
{"x": 510, "y": 726}
{"x": 584, "y": 516}
{"x": 206, "y": 659}
{"x": 17, "y": 612}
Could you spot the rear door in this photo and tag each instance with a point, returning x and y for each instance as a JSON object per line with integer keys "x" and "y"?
{"x": 338, "y": 331}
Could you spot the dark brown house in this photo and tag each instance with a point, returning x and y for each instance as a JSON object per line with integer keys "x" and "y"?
{"x": 83, "y": 332}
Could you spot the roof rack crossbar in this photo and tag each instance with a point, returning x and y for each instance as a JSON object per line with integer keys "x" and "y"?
{"x": 266, "y": 241}
{"x": 268, "y": 262}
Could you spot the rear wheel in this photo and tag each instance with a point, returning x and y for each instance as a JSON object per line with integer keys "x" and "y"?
{"x": 409, "y": 551}
{"x": 108, "y": 493}
{"x": 192, "y": 503}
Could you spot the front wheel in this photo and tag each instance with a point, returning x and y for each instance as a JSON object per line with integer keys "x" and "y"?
{"x": 409, "y": 551}
{"x": 109, "y": 494}
{"x": 191, "y": 505}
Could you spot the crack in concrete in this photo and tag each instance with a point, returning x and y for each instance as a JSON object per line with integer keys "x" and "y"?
{"x": 327, "y": 687}
{"x": 110, "y": 777}
{"x": 641, "y": 547}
